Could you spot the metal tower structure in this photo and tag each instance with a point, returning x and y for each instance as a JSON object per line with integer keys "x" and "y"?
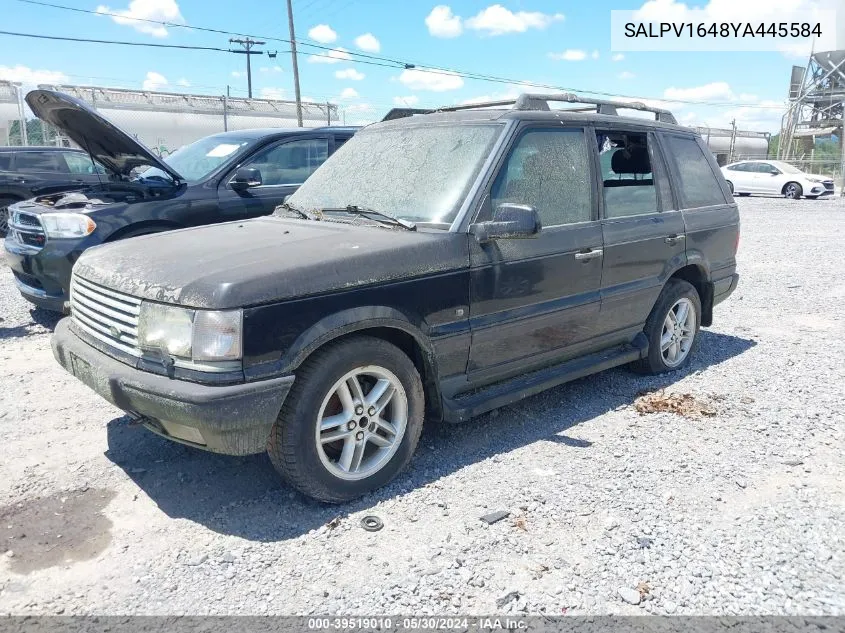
{"x": 816, "y": 106}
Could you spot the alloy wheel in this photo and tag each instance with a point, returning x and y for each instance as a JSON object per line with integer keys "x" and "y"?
{"x": 361, "y": 422}
{"x": 678, "y": 333}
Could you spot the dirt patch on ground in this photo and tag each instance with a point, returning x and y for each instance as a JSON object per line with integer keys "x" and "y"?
{"x": 683, "y": 404}
{"x": 55, "y": 530}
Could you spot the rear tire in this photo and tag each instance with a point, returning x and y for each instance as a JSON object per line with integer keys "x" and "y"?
{"x": 351, "y": 421}
{"x": 672, "y": 328}
{"x": 793, "y": 191}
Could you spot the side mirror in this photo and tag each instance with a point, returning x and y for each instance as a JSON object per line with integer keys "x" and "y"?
{"x": 510, "y": 221}
{"x": 245, "y": 178}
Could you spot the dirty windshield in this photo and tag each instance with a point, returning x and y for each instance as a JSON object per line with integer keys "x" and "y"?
{"x": 196, "y": 161}
{"x": 412, "y": 172}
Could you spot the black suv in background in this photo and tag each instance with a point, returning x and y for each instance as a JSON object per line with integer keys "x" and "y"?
{"x": 26, "y": 172}
{"x": 437, "y": 267}
{"x": 224, "y": 177}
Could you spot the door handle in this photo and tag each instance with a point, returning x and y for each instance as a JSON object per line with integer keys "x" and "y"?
{"x": 593, "y": 254}
{"x": 674, "y": 239}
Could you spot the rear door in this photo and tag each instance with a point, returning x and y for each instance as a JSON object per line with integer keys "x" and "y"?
{"x": 642, "y": 226}
{"x": 284, "y": 165}
{"x": 710, "y": 213}
{"x": 536, "y": 301}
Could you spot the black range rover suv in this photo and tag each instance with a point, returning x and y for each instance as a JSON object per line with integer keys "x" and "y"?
{"x": 438, "y": 266}
{"x": 228, "y": 176}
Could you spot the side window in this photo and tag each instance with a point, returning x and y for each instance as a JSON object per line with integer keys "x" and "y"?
{"x": 38, "y": 161}
{"x": 338, "y": 141}
{"x": 290, "y": 163}
{"x": 766, "y": 168}
{"x": 626, "y": 172}
{"x": 549, "y": 170}
{"x": 698, "y": 184}
{"x": 81, "y": 164}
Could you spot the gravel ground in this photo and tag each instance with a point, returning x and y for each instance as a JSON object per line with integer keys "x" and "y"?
{"x": 737, "y": 510}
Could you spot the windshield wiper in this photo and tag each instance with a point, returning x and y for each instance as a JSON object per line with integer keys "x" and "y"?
{"x": 373, "y": 214}
{"x": 299, "y": 212}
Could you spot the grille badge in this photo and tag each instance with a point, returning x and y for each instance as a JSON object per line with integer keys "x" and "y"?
{"x": 114, "y": 331}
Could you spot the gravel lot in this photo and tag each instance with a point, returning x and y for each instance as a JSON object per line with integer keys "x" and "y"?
{"x": 737, "y": 512}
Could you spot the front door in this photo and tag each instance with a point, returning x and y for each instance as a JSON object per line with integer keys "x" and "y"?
{"x": 643, "y": 227}
{"x": 283, "y": 167}
{"x": 534, "y": 301}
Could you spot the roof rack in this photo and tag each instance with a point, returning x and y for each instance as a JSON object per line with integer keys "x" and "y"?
{"x": 541, "y": 102}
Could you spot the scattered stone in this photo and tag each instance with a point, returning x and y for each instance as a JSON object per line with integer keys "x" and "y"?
{"x": 507, "y": 599}
{"x": 197, "y": 560}
{"x": 670, "y": 607}
{"x": 495, "y": 517}
{"x": 631, "y": 596}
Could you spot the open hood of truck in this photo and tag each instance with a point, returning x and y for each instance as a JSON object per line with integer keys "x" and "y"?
{"x": 107, "y": 143}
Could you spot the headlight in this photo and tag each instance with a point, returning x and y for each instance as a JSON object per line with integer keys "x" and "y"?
{"x": 200, "y": 335}
{"x": 815, "y": 180}
{"x": 67, "y": 225}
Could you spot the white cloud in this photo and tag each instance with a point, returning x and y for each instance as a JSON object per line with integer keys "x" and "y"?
{"x": 26, "y": 75}
{"x": 183, "y": 82}
{"x": 359, "y": 107}
{"x": 626, "y": 75}
{"x": 322, "y": 33}
{"x": 349, "y": 73}
{"x": 154, "y": 81}
{"x": 271, "y": 69}
{"x": 274, "y": 93}
{"x": 512, "y": 91}
{"x": 349, "y": 93}
{"x": 595, "y": 55}
{"x": 368, "y": 42}
{"x": 334, "y": 56}
{"x": 434, "y": 81}
{"x": 139, "y": 10}
{"x": 618, "y": 57}
{"x": 406, "y": 102}
{"x": 441, "y": 22}
{"x": 716, "y": 91}
{"x": 497, "y": 20}
{"x": 238, "y": 74}
{"x": 570, "y": 55}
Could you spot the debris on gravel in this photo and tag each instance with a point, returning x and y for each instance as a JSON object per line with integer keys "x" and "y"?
{"x": 683, "y": 404}
{"x": 495, "y": 517}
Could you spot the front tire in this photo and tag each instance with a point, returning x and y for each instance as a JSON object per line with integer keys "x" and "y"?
{"x": 4, "y": 214}
{"x": 351, "y": 422}
{"x": 672, "y": 328}
{"x": 793, "y": 191}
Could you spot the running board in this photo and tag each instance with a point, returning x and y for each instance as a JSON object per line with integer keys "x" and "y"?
{"x": 462, "y": 408}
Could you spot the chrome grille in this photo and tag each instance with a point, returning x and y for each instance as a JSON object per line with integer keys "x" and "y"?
{"x": 109, "y": 316}
{"x": 828, "y": 184}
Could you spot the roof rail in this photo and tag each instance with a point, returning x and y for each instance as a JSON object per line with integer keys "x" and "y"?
{"x": 541, "y": 102}
{"x": 400, "y": 113}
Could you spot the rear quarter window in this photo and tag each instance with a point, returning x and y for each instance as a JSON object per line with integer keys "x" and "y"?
{"x": 5, "y": 162}
{"x": 696, "y": 181}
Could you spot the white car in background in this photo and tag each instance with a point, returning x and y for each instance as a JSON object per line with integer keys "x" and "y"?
{"x": 775, "y": 178}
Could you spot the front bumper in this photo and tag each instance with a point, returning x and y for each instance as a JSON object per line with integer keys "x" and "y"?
{"x": 231, "y": 419}
{"x": 43, "y": 274}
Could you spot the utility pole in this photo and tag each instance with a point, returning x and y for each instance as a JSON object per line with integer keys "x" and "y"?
{"x": 295, "y": 65}
{"x": 247, "y": 44}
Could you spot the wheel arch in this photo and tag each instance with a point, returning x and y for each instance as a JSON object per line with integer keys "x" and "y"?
{"x": 698, "y": 276}
{"x": 792, "y": 182}
{"x": 380, "y": 322}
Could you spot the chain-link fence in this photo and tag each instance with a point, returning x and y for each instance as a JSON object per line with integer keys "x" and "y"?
{"x": 162, "y": 121}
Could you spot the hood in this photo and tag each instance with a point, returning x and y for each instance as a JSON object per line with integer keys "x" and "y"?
{"x": 110, "y": 145}
{"x": 819, "y": 177}
{"x": 268, "y": 259}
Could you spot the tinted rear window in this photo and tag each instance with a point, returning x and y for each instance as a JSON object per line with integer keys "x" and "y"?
{"x": 5, "y": 161}
{"x": 698, "y": 184}
{"x": 38, "y": 161}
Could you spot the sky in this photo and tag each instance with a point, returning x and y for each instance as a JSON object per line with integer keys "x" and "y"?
{"x": 562, "y": 43}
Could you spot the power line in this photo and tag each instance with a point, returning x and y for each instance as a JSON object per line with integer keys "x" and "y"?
{"x": 121, "y": 43}
{"x": 387, "y": 62}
